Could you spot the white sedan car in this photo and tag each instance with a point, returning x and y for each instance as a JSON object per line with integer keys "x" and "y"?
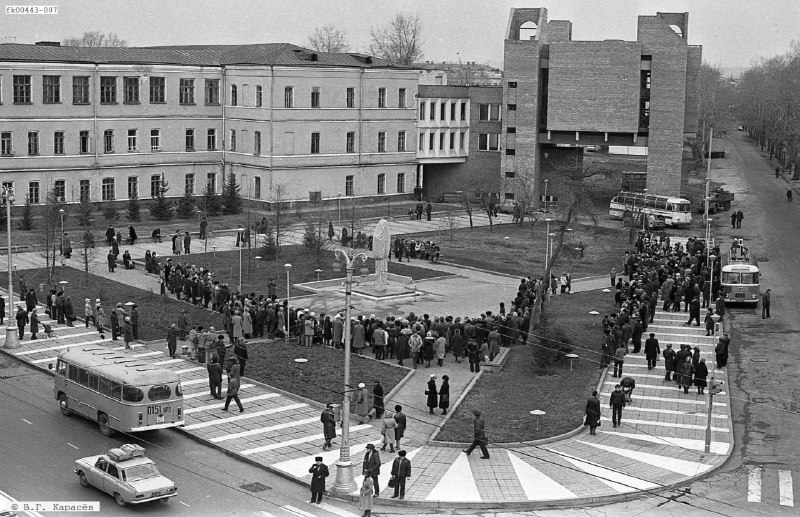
{"x": 129, "y": 478}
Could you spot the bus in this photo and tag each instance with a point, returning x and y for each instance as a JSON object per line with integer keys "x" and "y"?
{"x": 117, "y": 390}
{"x": 740, "y": 277}
{"x": 672, "y": 211}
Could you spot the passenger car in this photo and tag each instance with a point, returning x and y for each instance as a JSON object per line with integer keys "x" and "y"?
{"x": 127, "y": 474}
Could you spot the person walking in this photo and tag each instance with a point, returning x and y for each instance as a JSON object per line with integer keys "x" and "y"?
{"x": 88, "y": 313}
{"x": 22, "y": 320}
{"x": 387, "y": 430}
{"x": 371, "y": 467}
{"x": 440, "y": 345}
{"x": 651, "y": 351}
{"x": 428, "y": 210}
{"x": 400, "y": 418}
{"x": 361, "y": 407}
{"x": 721, "y": 351}
{"x": 700, "y": 376}
{"x": 34, "y": 317}
{"x": 135, "y": 321}
{"x": 478, "y": 436}
{"x": 328, "y": 420}
{"x": 739, "y": 217}
{"x": 401, "y": 470}
{"x": 686, "y": 373}
{"x": 765, "y": 303}
{"x": 709, "y": 322}
{"x": 619, "y": 360}
{"x": 432, "y": 393}
{"x": 319, "y": 471}
{"x": 2, "y": 310}
{"x": 233, "y": 386}
{"x": 592, "y": 418}
{"x": 365, "y": 496}
{"x": 694, "y": 313}
{"x": 733, "y": 219}
{"x": 616, "y": 402}
{"x": 112, "y": 261}
{"x": 100, "y": 314}
{"x": 444, "y": 394}
{"x": 789, "y": 195}
{"x": 69, "y": 312}
{"x": 215, "y": 377}
{"x": 240, "y": 352}
{"x": 377, "y": 401}
{"x": 172, "y": 339}
{"x": 203, "y": 227}
{"x": 127, "y": 333}
{"x": 132, "y": 235}
{"x": 669, "y": 362}
{"x": 187, "y": 243}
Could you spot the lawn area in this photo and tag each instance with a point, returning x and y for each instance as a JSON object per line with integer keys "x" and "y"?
{"x": 225, "y": 266}
{"x": 321, "y": 378}
{"x": 155, "y": 312}
{"x": 561, "y": 395}
{"x": 485, "y": 248}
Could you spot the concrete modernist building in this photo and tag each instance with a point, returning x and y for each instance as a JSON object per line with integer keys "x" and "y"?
{"x": 110, "y": 123}
{"x": 562, "y": 95}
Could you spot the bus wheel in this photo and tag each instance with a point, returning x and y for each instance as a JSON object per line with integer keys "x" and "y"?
{"x": 119, "y": 499}
{"x": 83, "y": 480}
{"x": 63, "y": 405}
{"x": 105, "y": 429}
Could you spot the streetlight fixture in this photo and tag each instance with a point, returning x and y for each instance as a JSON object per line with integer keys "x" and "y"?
{"x": 258, "y": 258}
{"x": 61, "y": 213}
{"x": 288, "y": 331}
{"x": 551, "y": 239}
{"x": 344, "y": 482}
{"x": 318, "y": 271}
{"x": 547, "y": 243}
{"x": 240, "y": 230}
{"x": 7, "y": 198}
{"x": 546, "y": 181}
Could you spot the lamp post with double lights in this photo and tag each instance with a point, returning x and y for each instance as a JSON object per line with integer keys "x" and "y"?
{"x": 344, "y": 482}
{"x": 7, "y": 198}
{"x": 288, "y": 329}
{"x": 61, "y": 213}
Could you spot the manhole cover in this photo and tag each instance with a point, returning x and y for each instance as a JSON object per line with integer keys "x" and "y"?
{"x": 256, "y": 487}
{"x": 759, "y": 360}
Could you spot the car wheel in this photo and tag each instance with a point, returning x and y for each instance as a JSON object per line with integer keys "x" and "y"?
{"x": 105, "y": 429}
{"x": 83, "y": 480}
{"x": 63, "y": 405}
{"x": 119, "y": 499}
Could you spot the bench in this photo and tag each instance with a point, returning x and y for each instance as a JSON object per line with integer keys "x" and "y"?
{"x": 497, "y": 363}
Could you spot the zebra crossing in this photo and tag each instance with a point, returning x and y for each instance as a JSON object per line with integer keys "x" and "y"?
{"x": 770, "y": 485}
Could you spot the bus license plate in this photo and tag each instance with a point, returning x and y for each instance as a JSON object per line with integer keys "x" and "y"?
{"x": 160, "y": 419}
{"x": 154, "y": 410}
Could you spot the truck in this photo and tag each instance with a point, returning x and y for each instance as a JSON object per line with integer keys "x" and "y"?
{"x": 720, "y": 199}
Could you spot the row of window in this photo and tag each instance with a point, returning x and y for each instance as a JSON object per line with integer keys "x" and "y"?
{"x": 447, "y": 140}
{"x": 111, "y": 388}
{"x": 110, "y": 92}
{"x": 430, "y": 109}
{"x": 349, "y": 182}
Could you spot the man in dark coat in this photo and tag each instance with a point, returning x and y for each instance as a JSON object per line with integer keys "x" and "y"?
{"x": 215, "y": 377}
{"x": 428, "y": 210}
{"x": 34, "y": 323}
{"x": 30, "y": 300}
{"x": 319, "y": 471}
{"x": 400, "y": 418}
{"x": 669, "y": 362}
{"x": 651, "y": 351}
{"x": 478, "y": 436}
{"x": 112, "y": 261}
{"x": 172, "y": 339}
{"x": 69, "y": 311}
{"x": 187, "y": 243}
{"x": 765, "y": 303}
{"x": 2, "y": 310}
{"x": 240, "y": 351}
{"x": 135, "y": 321}
{"x": 616, "y": 402}
{"x": 432, "y": 393}
{"x": 203, "y": 226}
{"x": 371, "y": 467}
{"x": 694, "y": 312}
{"x": 22, "y": 320}
{"x": 328, "y": 420}
{"x": 401, "y": 470}
{"x": 592, "y": 412}
{"x": 377, "y": 405}
{"x": 721, "y": 351}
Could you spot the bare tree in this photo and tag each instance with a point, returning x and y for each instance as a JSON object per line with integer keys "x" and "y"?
{"x": 278, "y": 199}
{"x": 329, "y": 39}
{"x": 450, "y": 220}
{"x": 87, "y": 253}
{"x": 95, "y": 39}
{"x": 399, "y": 41}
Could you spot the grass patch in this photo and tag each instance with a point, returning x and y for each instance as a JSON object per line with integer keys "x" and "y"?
{"x": 321, "y": 378}
{"x": 562, "y": 395}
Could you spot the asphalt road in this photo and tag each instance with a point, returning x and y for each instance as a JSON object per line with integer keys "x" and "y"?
{"x": 38, "y": 446}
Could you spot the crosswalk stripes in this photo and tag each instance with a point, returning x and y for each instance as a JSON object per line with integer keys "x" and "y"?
{"x": 756, "y": 486}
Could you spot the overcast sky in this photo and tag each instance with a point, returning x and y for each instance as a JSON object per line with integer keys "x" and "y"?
{"x": 732, "y": 32}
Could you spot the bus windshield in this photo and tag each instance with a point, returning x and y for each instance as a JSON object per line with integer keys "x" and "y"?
{"x": 749, "y": 278}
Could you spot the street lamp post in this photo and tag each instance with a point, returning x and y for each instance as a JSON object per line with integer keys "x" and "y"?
{"x": 339, "y": 199}
{"x": 61, "y": 213}
{"x": 344, "y": 482}
{"x": 288, "y": 331}
{"x": 546, "y": 181}
{"x": 12, "y": 340}
{"x": 240, "y": 230}
{"x": 547, "y": 244}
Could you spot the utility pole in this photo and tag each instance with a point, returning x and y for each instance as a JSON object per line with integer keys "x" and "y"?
{"x": 714, "y": 387}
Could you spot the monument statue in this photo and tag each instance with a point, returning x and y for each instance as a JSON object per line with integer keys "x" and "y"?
{"x": 381, "y": 247}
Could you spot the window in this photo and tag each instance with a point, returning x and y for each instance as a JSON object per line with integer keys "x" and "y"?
{"x": 381, "y": 97}
{"x": 211, "y": 181}
{"x": 512, "y": 107}
{"x": 107, "y": 188}
{"x": 155, "y": 185}
{"x": 348, "y": 185}
{"x": 489, "y": 112}
{"x": 488, "y": 142}
{"x": 108, "y": 141}
{"x": 422, "y": 141}
{"x": 132, "y": 394}
{"x": 432, "y": 111}
{"x": 314, "y": 143}
{"x": 5, "y": 144}
{"x": 511, "y": 130}
{"x": 211, "y": 139}
{"x": 401, "y": 98}
{"x": 442, "y": 138}
{"x": 510, "y": 152}
{"x": 233, "y": 140}
{"x": 257, "y": 187}
{"x": 512, "y": 84}
{"x": 401, "y": 141}
{"x": 83, "y": 142}
{"x": 351, "y": 97}
{"x": 133, "y": 187}
{"x": 60, "y": 190}
{"x": 257, "y": 143}
{"x": 462, "y": 140}
{"x": 33, "y": 143}
{"x": 186, "y": 91}
{"x": 315, "y": 97}
{"x": 22, "y": 89}
{"x": 190, "y": 139}
{"x": 85, "y": 190}
{"x": 160, "y": 392}
{"x": 453, "y": 141}
{"x": 155, "y": 139}
{"x": 212, "y": 92}
{"x": 443, "y": 111}
{"x": 189, "y": 184}
{"x": 80, "y": 89}
{"x": 234, "y": 95}
{"x": 401, "y": 183}
{"x": 453, "y": 111}
{"x": 288, "y": 97}
{"x": 51, "y": 89}
{"x": 58, "y": 142}
{"x": 351, "y": 142}
{"x": 463, "y": 111}
{"x": 158, "y": 90}
{"x": 381, "y": 183}
{"x": 431, "y": 141}
{"x": 133, "y": 140}
{"x": 259, "y": 96}
{"x": 33, "y": 192}
{"x": 381, "y": 141}
{"x": 131, "y": 90}
{"x": 108, "y": 90}
{"x": 422, "y": 111}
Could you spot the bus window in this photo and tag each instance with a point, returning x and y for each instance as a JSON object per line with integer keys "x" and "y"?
{"x": 83, "y": 377}
{"x": 661, "y": 204}
{"x": 61, "y": 367}
{"x": 132, "y": 394}
{"x": 116, "y": 390}
{"x": 749, "y": 278}
{"x": 684, "y": 207}
{"x": 93, "y": 381}
{"x": 178, "y": 390}
{"x": 159, "y": 392}
{"x": 73, "y": 373}
{"x": 104, "y": 386}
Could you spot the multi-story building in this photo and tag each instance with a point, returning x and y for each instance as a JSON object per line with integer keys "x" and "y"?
{"x": 111, "y": 123}
{"x": 459, "y": 74}
{"x": 562, "y": 95}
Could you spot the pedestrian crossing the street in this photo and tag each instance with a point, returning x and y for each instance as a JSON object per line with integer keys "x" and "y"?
{"x": 770, "y": 486}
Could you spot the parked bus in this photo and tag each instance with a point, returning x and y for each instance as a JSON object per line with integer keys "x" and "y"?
{"x": 118, "y": 391}
{"x": 673, "y": 211}
{"x": 740, "y": 278}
